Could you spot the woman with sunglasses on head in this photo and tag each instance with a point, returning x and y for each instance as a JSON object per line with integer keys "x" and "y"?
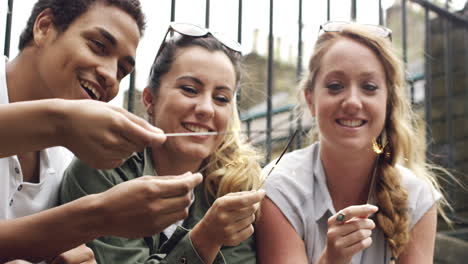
{"x": 362, "y": 193}
{"x": 192, "y": 89}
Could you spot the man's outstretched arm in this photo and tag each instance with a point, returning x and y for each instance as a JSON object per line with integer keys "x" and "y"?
{"x": 100, "y": 134}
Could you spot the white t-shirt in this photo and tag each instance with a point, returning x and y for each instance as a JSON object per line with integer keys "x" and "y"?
{"x": 298, "y": 188}
{"x": 19, "y": 198}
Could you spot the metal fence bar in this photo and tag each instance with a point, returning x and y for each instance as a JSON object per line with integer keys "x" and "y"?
{"x": 381, "y": 22}
{"x": 465, "y": 38}
{"x": 173, "y": 5}
{"x": 328, "y": 10}
{"x": 239, "y": 23}
{"x": 131, "y": 93}
{"x": 207, "y": 14}
{"x": 269, "y": 85}
{"x": 6, "y": 50}
{"x": 404, "y": 34}
{"x": 449, "y": 89}
{"x": 291, "y": 130}
{"x": 353, "y": 10}
{"x": 298, "y": 75}
{"x": 428, "y": 81}
{"x": 249, "y": 129}
{"x": 239, "y": 39}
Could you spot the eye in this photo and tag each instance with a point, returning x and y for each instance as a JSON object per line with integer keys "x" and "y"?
{"x": 222, "y": 99}
{"x": 370, "y": 87}
{"x": 335, "y": 86}
{"x": 189, "y": 89}
{"x": 98, "y": 46}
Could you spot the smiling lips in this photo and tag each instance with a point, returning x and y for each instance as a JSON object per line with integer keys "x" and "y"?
{"x": 90, "y": 89}
{"x": 195, "y": 128}
{"x": 351, "y": 123}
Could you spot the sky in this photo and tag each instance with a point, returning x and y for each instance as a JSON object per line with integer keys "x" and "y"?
{"x": 223, "y": 18}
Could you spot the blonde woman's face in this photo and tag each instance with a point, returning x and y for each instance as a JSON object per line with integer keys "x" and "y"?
{"x": 349, "y": 97}
{"x": 196, "y": 95}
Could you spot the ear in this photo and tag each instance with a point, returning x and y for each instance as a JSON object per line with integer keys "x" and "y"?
{"x": 147, "y": 99}
{"x": 309, "y": 97}
{"x": 44, "y": 27}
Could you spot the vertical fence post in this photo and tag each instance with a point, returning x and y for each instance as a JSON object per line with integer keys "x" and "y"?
{"x": 428, "y": 81}
{"x": 449, "y": 89}
{"x": 131, "y": 93}
{"x": 207, "y": 14}
{"x": 291, "y": 130}
{"x": 249, "y": 129}
{"x": 404, "y": 35}
{"x": 269, "y": 86}
{"x": 381, "y": 17}
{"x": 239, "y": 39}
{"x": 6, "y": 50}
{"x": 298, "y": 73}
{"x": 353, "y": 10}
{"x": 173, "y": 6}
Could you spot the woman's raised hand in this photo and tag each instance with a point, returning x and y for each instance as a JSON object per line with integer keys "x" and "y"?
{"x": 349, "y": 231}
{"x": 228, "y": 222}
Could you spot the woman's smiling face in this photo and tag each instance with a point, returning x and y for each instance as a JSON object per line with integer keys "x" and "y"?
{"x": 349, "y": 97}
{"x": 196, "y": 95}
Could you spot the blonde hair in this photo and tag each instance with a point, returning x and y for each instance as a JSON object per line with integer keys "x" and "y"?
{"x": 403, "y": 129}
{"x": 234, "y": 166}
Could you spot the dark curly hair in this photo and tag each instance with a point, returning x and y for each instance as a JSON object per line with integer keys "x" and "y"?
{"x": 67, "y": 11}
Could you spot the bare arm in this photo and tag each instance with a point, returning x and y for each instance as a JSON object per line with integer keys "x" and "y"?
{"x": 28, "y": 126}
{"x": 277, "y": 241}
{"x": 48, "y": 233}
{"x": 134, "y": 208}
{"x": 420, "y": 249}
{"x": 99, "y": 134}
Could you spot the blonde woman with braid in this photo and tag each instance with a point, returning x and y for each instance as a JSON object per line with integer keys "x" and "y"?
{"x": 362, "y": 193}
{"x": 192, "y": 89}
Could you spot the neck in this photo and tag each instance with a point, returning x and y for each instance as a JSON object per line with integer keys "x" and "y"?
{"x": 348, "y": 175}
{"x": 167, "y": 163}
{"x": 23, "y": 82}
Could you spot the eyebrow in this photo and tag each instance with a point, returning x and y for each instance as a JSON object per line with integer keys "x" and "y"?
{"x": 109, "y": 37}
{"x": 341, "y": 73}
{"x": 199, "y": 82}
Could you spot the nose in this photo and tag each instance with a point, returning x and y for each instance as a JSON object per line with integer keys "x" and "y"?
{"x": 204, "y": 109}
{"x": 107, "y": 78}
{"x": 352, "y": 101}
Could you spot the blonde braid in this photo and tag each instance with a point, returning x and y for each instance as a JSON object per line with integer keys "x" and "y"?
{"x": 392, "y": 199}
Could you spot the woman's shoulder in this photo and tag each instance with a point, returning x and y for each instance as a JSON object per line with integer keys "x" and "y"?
{"x": 293, "y": 175}
{"x": 414, "y": 183}
{"x": 422, "y": 195}
{"x": 298, "y": 161}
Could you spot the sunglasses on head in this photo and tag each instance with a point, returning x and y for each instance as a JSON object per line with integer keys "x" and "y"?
{"x": 338, "y": 26}
{"x": 192, "y": 30}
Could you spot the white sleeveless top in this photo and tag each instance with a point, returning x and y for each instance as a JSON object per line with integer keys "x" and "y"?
{"x": 298, "y": 188}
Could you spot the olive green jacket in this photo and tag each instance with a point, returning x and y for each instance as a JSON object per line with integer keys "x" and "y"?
{"x": 80, "y": 180}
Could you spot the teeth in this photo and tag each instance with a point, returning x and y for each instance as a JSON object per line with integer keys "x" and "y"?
{"x": 195, "y": 128}
{"x": 351, "y": 123}
{"x": 90, "y": 88}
